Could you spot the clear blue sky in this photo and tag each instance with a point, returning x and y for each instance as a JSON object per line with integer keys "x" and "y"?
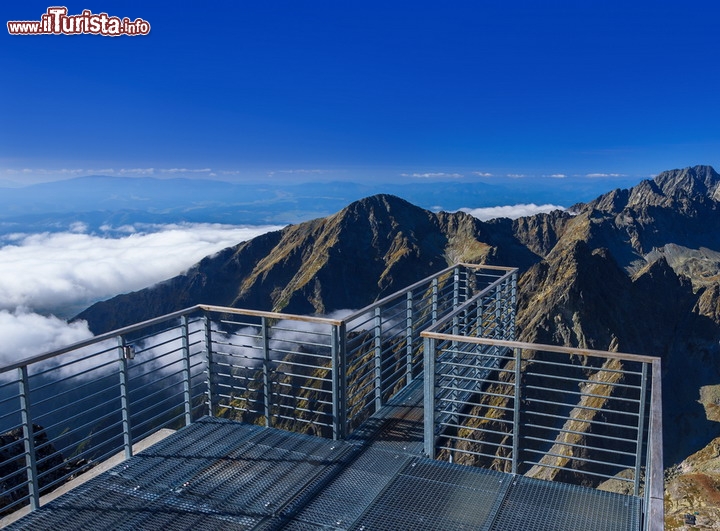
{"x": 351, "y": 90}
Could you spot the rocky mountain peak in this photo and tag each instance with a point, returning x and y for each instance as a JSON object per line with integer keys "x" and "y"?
{"x": 681, "y": 185}
{"x": 693, "y": 181}
{"x": 667, "y": 189}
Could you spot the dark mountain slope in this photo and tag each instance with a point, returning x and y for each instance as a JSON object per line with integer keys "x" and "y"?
{"x": 369, "y": 249}
{"x": 635, "y": 270}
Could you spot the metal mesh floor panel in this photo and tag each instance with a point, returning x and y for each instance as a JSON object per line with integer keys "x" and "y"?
{"x": 219, "y": 474}
{"x": 534, "y": 504}
{"x": 435, "y": 495}
{"x": 211, "y": 475}
{"x": 349, "y": 495}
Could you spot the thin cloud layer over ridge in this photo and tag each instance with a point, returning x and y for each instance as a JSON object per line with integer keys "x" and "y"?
{"x": 510, "y": 211}
{"x": 25, "y": 334}
{"x": 61, "y": 273}
{"x": 49, "y": 272}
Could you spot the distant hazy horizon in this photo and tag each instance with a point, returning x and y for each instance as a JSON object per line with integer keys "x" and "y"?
{"x": 282, "y": 92}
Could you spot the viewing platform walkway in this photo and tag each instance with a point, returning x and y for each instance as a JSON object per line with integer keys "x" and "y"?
{"x": 220, "y": 474}
{"x": 358, "y": 423}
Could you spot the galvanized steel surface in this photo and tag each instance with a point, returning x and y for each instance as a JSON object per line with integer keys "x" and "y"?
{"x": 218, "y": 474}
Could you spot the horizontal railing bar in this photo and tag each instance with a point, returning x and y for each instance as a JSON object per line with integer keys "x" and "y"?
{"x": 294, "y": 353}
{"x": 76, "y": 457}
{"x": 360, "y": 369}
{"x": 622, "y": 356}
{"x": 554, "y": 467}
{"x": 98, "y": 339}
{"x": 83, "y": 412}
{"x": 280, "y": 385}
{"x": 52, "y": 383}
{"x": 578, "y": 459}
{"x": 162, "y": 319}
{"x": 144, "y": 398}
{"x": 90, "y": 383}
{"x": 471, "y": 452}
{"x": 402, "y": 293}
{"x": 489, "y": 443}
{"x": 531, "y": 400}
{"x": 356, "y": 391}
{"x": 555, "y": 442}
{"x": 583, "y": 394}
{"x": 270, "y": 315}
{"x": 304, "y": 399}
{"x": 308, "y": 377}
{"x": 296, "y": 419}
{"x": 579, "y": 381}
{"x": 587, "y": 421}
{"x": 473, "y": 300}
{"x": 575, "y": 432}
{"x": 481, "y": 417}
{"x": 474, "y": 428}
{"x": 136, "y": 426}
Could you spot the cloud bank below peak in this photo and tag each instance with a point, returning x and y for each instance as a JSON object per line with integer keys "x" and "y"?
{"x": 60, "y": 273}
{"x": 510, "y": 211}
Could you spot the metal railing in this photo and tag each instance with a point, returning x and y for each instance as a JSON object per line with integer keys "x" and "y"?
{"x": 573, "y": 415}
{"x": 552, "y": 412}
{"x": 384, "y": 350}
{"x": 65, "y": 411}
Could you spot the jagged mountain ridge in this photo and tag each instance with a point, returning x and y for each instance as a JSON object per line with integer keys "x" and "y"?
{"x": 633, "y": 270}
{"x": 369, "y": 249}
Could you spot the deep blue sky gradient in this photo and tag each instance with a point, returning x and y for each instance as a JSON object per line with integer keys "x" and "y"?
{"x": 357, "y": 90}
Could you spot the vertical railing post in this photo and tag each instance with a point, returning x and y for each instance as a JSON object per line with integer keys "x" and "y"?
{"x": 378, "y": 359}
{"x": 513, "y": 305}
{"x": 186, "y": 374}
{"x": 468, "y": 287}
{"x": 479, "y": 328}
{"x": 434, "y": 300}
{"x": 409, "y": 340}
{"x": 456, "y": 288}
{"x": 124, "y": 354}
{"x": 208, "y": 364}
{"x": 516, "y": 412}
{"x": 28, "y": 438}
{"x": 339, "y": 380}
{"x": 266, "y": 370}
{"x": 429, "y": 397}
{"x": 640, "y": 428}
{"x": 654, "y": 488}
{"x": 499, "y": 329}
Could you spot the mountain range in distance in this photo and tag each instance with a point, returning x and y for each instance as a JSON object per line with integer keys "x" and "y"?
{"x": 635, "y": 270}
{"x": 100, "y": 201}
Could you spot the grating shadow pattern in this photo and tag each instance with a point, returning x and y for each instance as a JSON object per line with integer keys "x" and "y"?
{"x": 219, "y": 474}
{"x": 436, "y": 495}
{"x": 213, "y": 474}
{"x": 534, "y": 504}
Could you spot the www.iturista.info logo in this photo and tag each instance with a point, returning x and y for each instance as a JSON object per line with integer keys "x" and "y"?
{"x": 56, "y": 21}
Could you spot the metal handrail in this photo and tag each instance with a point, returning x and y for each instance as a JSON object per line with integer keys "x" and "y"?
{"x": 331, "y": 377}
{"x": 648, "y": 447}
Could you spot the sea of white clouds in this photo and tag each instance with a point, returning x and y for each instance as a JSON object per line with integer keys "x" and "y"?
{"x": 510, "y": 211}
{"x": 46, "y": 278}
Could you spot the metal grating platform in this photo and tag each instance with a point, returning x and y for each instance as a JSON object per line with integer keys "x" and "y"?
{"x": 219, "y": 474}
